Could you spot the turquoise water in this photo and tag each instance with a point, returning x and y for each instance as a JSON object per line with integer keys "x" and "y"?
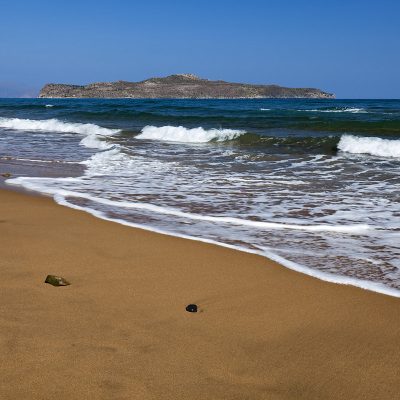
{"x": 313, "y": 184}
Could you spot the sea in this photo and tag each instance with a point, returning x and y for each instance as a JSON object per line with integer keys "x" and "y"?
{"x": 312, "y": 184}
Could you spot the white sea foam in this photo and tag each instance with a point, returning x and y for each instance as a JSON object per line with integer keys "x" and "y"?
{"x": 49, "y": 105}
{"x": 185, "y": 135}
{"x": 370, "y": 145}
{"x": 106, "y": 161}
{"x": 352, "y": 110}
{"x": 55, "y": 125}
{"x": 30, "y": 184}
{"x": 265, "y": 109}
{"x": 91, "y": 132}
{"x": 92, "y": 141}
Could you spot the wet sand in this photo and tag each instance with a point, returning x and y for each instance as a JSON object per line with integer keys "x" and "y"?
{"x": 120, "y": 331}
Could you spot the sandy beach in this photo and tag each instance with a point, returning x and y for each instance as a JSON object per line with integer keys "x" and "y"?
{"x": 120, "y": 331}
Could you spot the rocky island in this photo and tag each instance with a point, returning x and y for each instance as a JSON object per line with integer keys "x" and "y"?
{"x": 180, "y": 86}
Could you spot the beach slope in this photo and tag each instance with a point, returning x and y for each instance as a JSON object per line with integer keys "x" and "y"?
{"x": 120, "y": 331}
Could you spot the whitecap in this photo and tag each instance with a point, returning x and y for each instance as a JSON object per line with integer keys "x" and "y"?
{"x": 353, "y": 110}
{"x": 91, "y": 132}
{"x": 370, "y": 145}
{"x": 186, "y": 135}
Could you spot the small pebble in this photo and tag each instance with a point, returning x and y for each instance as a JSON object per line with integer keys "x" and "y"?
{"x": 56, "y": 280}
{"x": 191, "y": 308}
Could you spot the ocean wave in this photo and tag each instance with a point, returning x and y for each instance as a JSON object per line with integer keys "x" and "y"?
{"x": 325, "y": 144}
{"x": 91, "y": 132}
{"x": 352, "y": 110}
{"x": 186, "y": 135}
{"x": 370, "y": 145}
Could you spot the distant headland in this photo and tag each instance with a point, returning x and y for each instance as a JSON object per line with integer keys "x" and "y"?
{"x": 180, "y": 86}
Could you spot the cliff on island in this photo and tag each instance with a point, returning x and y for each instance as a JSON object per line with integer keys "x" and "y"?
{"x": 181, "y": 86}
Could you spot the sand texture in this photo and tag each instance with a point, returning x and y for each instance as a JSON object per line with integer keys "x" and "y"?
{"x": 120, "y": 330}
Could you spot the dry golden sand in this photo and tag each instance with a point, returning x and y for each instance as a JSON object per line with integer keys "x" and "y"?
{"x": 120, "y": 331}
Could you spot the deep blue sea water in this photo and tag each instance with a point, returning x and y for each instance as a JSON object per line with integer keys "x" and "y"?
{"x": 313, "y": 184}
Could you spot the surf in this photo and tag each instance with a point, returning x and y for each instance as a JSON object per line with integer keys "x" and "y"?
{"x": 188, "y": 135}
{"x": 92, "y": 132}
{"x": 373, "y": 146}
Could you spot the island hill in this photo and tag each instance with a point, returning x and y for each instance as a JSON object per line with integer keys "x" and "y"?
{"x": 180, "y": 86}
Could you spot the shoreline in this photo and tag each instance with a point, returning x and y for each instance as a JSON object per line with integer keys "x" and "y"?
{"x": 121, "y": 330}
{"x": 282, "y": 262}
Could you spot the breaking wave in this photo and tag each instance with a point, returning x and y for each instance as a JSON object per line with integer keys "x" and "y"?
{"x": 91, "y": 132}
{"x": 370, "y": 145}
{"x": 185, "y": 135}
{"x": 352, "y": 110}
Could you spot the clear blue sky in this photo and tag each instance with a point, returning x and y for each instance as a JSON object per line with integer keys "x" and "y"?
{"x": 349, "y": 47}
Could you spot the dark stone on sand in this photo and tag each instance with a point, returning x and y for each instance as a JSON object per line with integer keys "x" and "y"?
{"x": 56, "y": 280}
{"x": 191, "y": 308}
{"x": 6, "y": 175}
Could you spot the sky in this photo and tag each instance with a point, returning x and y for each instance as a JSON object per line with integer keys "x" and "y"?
{"x": 347, "y": 47}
